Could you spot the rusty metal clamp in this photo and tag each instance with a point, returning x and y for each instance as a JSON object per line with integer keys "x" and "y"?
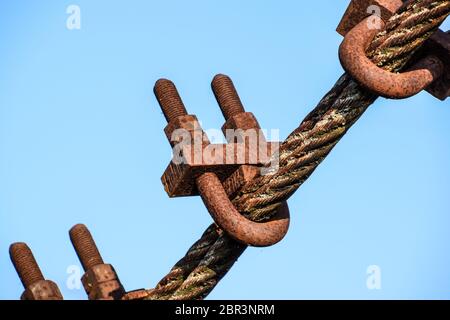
{"x": 217, "y": 182}
{"x": 428, "y": 72}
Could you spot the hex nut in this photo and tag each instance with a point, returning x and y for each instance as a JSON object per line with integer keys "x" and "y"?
{"x": 101, "y": 283}
{"x": 243, "y": 121}
{"x": 189, "y": 123}
{"x": 42, "y": 290}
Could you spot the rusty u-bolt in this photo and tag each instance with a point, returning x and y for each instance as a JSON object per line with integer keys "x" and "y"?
{"x": 352, "y": 54}
{"x": 210, "y": 188}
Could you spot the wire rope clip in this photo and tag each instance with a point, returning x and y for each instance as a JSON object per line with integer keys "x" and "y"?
{"x": 100, "y": 280}
{"x": 217, "y": 171}
{"x": 429, "y": 69}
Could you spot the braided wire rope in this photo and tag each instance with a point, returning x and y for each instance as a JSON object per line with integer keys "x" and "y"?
{"x": 210, "y": 258}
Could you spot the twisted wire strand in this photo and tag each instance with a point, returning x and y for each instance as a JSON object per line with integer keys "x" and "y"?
{"x": 210, "y": 258}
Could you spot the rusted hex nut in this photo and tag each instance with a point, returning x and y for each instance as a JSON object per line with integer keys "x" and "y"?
{"x": 439, "y": 45}
{"x": 242, "y": 125}
{"x": 358, "y": 10}
{"x": 42, "y": 290}
{"x": 36, "y": 287}
{"x": 352, "y": 54}
{"x": 241, "y": 229}
{"x": 101, "y": 283}
{"x": 100, "y": 280}
{"x": 186, "y": 128}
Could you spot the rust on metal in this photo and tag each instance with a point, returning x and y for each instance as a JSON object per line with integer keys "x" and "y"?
{"x": 222, "y": 159}
{"x": 217, "y": 181}
{"x": 239, "y": 179}
{"x": 85, "y": 246}
{"x": 140, "y": 294}
{"x": 237, "y": 226}
{"x": 100, "y": 280}
{"x": 358, "y": 10}
{"x": 25, "y": 264}
{"x": 36, "y": 287}
{"x": 101, "y": 283}
{"x": 187, "y": 122}
{"x": 226, "y": 95}
{"x": 42, "y": 290}
{"x": 243, "y": 121}
{"x": 167, "y": 95}
{"x": 352, "y": 54}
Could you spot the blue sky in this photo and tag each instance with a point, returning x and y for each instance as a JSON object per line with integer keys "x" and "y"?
{"x": 81, "y": 140}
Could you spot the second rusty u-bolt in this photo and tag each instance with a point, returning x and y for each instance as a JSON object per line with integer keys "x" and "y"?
{"x": 222, "y": 210}
{"x": 352, "y": 54}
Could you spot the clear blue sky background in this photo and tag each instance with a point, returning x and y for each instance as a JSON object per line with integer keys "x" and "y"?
{"x": 81, "y": 140}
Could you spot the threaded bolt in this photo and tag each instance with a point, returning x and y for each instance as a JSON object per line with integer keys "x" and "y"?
{"x": 227, "y": 96}
{"x": 169, "y": 99}
{"x": 85, "y": 246}
{"x": 25, "y": 264}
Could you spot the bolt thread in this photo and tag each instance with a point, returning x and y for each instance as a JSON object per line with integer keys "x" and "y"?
{"x": 85, "y": 246}
{"x": 25, "y": 264}
{"x": 227, "y": 96}
{"x": 169, "y": 99}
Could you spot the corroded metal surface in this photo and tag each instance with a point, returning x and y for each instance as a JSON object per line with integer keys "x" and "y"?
{"x": 361, "y": 9}
{"x": 42, "y": 290}
{"x": 25, "y": 264}
{"x": 243, "y": 121}
{"x": 167, "y": 95}
{"x": 136, "y": 295}
{"x": 179, "y": 178}
{"x": 85, "y": 246}
{"x": 226, "y": 95}
{"x": 36, "y": 287}
{"x": 215, "y": 258}
{"x": 197, "y": 155}
{"x": 101, "y": 283}
{"x": 352, "y": 54}
{"x": 200, "y": 173}
{"x": 100, "y": 280}
{"x": 237, "y": 226}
